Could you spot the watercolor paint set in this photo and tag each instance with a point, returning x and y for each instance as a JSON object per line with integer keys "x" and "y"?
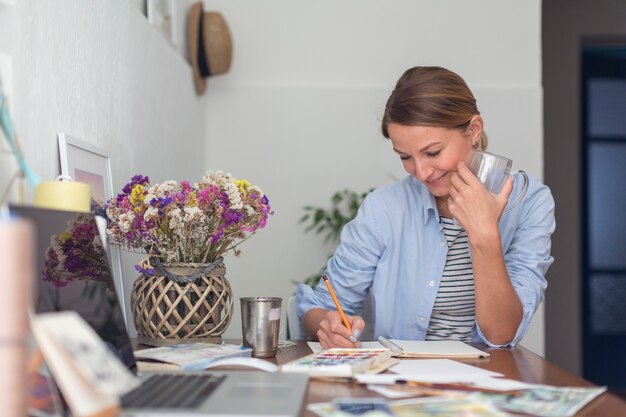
{"x": 340, "y": 362}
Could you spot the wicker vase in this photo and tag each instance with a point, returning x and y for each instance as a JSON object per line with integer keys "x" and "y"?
{"x": 182, "y": 303}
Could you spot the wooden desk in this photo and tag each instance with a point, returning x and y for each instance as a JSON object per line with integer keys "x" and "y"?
{"x": 518, "y": 363}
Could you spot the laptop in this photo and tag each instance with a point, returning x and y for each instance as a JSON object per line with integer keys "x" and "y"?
{"x": 73, "y": 273}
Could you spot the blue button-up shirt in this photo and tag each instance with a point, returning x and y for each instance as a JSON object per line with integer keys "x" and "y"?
{"x": 395, "y": 249}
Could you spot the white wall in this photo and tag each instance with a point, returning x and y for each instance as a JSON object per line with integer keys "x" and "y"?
{"x": 8, "y": 166}
{"x": 98, "y": 71}
{"x": 299, "y": 112}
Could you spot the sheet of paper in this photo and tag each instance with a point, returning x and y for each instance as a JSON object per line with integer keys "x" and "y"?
{"x": 390, "y": 393}
{"x": 438, "y": 367}
{"x": 315, "y": 346}
{"x": 443, "y": 348}
{"x": 500, "y": 384}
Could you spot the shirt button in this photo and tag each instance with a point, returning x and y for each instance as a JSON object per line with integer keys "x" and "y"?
{"x": 442, "y": 244}
{"x": 421, "y": 319}
{"x": 431, "y": 283}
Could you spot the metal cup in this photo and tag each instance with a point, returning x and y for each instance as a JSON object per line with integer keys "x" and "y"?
{"x": 260, "y": 324}
{"x": 491, "y": 169}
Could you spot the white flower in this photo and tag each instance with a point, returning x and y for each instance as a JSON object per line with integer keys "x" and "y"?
{"x": 255, "y": 189}
{"x": 193, "y": 214}
{"x": 151, "y": 213}
{"x": 149, "y": 197}
{"x": 233, "y": 196}
{"x": 126, "y": 221}
{"x": 167, "y": 187}
{"x": 176, "y": 221}
{"x": 249, "y": 210}
{"x": 218, "y": 178}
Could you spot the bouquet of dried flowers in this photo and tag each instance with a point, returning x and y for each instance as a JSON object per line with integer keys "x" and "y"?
{"x": 76, "y": 254}
{"x": 178, "y": 222}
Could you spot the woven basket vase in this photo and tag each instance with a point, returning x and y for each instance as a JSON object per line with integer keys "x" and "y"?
{"x": 167, "y": 312}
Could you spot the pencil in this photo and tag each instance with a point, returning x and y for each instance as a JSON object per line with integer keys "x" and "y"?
{"x": 453, "y": 386}
{"x": 339, "y": 309}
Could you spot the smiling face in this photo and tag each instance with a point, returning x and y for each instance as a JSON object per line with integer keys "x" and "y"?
{"x": 431, "y": 154}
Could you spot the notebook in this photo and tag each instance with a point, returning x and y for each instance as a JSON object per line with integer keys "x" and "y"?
{"x": 423, "y": 349}
{"x": 73, "y": 274}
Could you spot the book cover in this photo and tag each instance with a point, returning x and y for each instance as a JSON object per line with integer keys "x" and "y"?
{"x": 193, "y": 356}
{"x": 339, "y": 362}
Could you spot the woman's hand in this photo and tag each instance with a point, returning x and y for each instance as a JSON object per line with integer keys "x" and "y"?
{"x": 333, "y": 334}
{"x": 475, "y": 208}
{"x": 498, "y": 307}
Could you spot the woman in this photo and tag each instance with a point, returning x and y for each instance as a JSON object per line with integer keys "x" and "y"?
{"x": 438, "y": 253}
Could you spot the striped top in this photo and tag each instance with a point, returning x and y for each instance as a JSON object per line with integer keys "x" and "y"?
{"x": 453, "y": 314}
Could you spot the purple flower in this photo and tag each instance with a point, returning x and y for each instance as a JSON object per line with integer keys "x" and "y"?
{"x": 137, "y": 179}
{"x": 145, "y": 271}
{"x": 160, "y": 202}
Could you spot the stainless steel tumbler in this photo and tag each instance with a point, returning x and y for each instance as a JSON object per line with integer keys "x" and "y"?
{"x": 260, "y": 324}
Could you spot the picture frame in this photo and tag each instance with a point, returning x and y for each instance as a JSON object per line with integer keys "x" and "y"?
{"x": 90, "y": 164}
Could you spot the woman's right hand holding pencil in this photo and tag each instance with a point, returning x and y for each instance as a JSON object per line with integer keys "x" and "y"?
{"x": 333, "y": 333}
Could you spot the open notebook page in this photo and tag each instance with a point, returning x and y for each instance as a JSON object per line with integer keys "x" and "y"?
{"x": 425, "y": 348}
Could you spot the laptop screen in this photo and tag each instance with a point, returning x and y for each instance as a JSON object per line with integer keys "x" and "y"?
{"x": 73, "y": 273}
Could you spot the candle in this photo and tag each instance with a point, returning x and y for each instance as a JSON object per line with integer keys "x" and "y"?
{"x": 63, "y": 195}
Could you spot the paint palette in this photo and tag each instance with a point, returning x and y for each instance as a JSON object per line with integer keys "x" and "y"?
{"x": 339, "y": 362}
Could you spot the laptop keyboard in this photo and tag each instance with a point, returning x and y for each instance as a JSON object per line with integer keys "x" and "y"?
{"x": 172, "y": 391}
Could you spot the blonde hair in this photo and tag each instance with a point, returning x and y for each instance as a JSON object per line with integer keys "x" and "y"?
{"x": 431, "y": 96}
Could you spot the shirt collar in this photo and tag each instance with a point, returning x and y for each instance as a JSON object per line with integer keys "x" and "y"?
{"x": 429, "y": 206}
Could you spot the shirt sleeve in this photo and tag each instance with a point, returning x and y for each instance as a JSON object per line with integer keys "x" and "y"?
{"x": 352, "y": 268}
{"x": 527, "y": 257}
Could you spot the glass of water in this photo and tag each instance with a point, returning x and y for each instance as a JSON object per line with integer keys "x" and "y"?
{"x": 491, "y": 169}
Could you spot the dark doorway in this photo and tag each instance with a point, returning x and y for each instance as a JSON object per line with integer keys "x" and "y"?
{"x": 603, "y": 133}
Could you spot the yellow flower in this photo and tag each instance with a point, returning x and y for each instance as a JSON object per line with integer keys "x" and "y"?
{"x": 242, "y": 185}
{"x": 136, "y": 196}
{"x": 192, "y": 201}
{"x": 64, "y": 236}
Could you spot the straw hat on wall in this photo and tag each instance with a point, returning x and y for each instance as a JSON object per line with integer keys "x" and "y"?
{"x": 210, "y": 45}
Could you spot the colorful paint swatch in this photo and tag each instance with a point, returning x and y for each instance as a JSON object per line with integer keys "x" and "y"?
{"x": 338, "y": 362}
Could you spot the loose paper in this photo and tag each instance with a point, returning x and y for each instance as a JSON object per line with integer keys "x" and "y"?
{"x": 424, "y": 348}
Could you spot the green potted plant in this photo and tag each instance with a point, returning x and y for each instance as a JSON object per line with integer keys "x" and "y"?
{"x": 330, "y": 221}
